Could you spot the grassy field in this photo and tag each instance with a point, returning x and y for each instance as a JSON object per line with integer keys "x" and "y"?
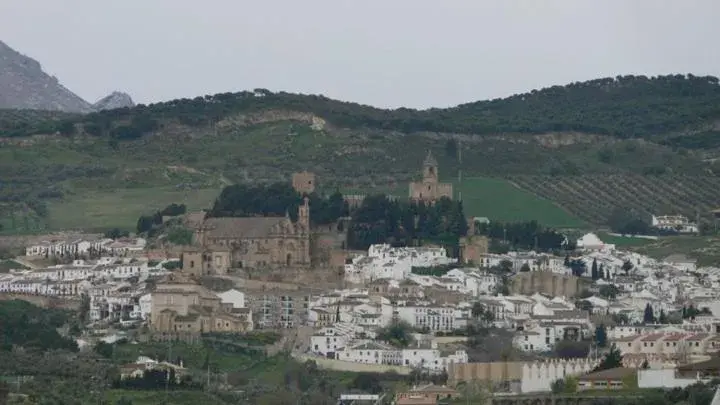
{"x": 7, "y": 265}
{"x": 100, "y": 210}
{"x": 703, "y": 248}
{"x": 625, "y": 241}
{"x": 499, "y": 200}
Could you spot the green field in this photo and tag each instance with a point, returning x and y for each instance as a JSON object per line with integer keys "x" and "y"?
{"x": 626, "y": 241}
{"x": 7, "y": 265}
{"x": 499, "y": 200}
{"x": 706, "y": 249}
{"x": 101, "y": 210}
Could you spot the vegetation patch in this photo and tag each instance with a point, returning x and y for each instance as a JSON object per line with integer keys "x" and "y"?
{"x": 7, "y": 265}
{"x": 120, "y": 208}
{"x": 500, "y": 200}
{"x": 593, "y": 198}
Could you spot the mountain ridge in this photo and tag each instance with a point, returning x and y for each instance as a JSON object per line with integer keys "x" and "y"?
{"x": 24, "y": 85}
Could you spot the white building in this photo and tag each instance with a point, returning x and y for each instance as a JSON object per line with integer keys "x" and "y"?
{"x": 591, "y": 242}
{"x": 677, "y": 223}
{"x": 384, "y": 261}
{"x": 329, "y": 340}
{"x": 422, "y": 355}
{"x": 436, "y": 318}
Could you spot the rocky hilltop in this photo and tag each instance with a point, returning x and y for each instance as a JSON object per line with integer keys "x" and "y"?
{"x": 116, "y": 99}
{"x": 25, "y": 86}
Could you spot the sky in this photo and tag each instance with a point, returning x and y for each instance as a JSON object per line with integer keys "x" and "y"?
{"x": 387, "y": 53}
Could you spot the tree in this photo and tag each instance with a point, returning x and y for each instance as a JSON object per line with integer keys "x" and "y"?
{"x": 569, "y": 349}
{"x": 645, "y": 365}
{"x": 601, "y": 335}
{"x": 116, "y": 233}
{"x": 564, "y": 386}
{"x": 173, "y": 210}
{"x": 627, "y": 266}
{"x": 578, "y": 267}
{"x": 478, "y": 309}
{"x": 525, "y": 268}
{"x": 566, "y": 263}
{"x": 601, "y": 272}
{"x": 662, "y": 318}
{"x": 4, "y": 392}
{"x": 608, "y": 291}
{"x": 84, "y": 310}
{"x": 648, "y": 316}
{"x": 398, "y": 333}
{"x": 144, "y": 224}
{"x": 594, "y": 270}
{"x": 612, "y": 359}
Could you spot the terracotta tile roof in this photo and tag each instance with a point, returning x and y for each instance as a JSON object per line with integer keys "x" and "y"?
{"x": 674, "y": 337}
{"x": 653, "y": 337}
{"x": 698, "y": 337}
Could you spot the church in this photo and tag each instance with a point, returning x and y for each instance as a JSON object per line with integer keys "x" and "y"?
{"x": 429, "y": 189}
{"x": 251, "y": 242}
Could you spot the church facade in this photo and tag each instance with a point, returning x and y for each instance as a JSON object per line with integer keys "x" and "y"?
{"x": 430, "y": 189}
{"x": 251, "y": 242}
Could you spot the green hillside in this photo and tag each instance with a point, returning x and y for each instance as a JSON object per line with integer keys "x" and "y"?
{"x": 500, "y": 200}
{"x": 103, "y": 169}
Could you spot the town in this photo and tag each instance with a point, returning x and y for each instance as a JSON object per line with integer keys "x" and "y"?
{"x": 583, "y": 315}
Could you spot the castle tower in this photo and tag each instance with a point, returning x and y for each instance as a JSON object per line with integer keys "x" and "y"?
{"x": 304, "y": 214}
{"x": 430, "y": 169}
{"x": 304, "y": 182}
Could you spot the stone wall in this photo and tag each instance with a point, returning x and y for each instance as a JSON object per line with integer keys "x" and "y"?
{"x": 532, "y": 376}
{"x": 340, "y": 365}
{"x": 539, "y": 376}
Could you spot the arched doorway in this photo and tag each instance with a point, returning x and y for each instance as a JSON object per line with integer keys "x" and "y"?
{"x": 288, "y": 259}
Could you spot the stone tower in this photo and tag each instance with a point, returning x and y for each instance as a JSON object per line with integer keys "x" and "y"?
{"x": 304, "y": 215}
{"x": 430, "y": 189}
{"x": 303, "y": 182}
{"x": 430, "y": 169}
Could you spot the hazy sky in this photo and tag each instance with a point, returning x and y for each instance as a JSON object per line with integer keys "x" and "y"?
{"x": 389, "y": 53}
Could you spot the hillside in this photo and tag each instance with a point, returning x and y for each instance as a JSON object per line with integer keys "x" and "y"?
{"x": 624, "y": 107}
{"x": 24, "y": 85}
{"x": 630, "y": 128}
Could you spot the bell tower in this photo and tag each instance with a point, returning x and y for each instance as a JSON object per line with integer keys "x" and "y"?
{"x": 304, "y": 214}
{"x": 430, "y": 169}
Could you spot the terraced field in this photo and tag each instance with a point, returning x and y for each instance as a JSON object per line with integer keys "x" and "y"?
{"x": 593, "y": 197}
